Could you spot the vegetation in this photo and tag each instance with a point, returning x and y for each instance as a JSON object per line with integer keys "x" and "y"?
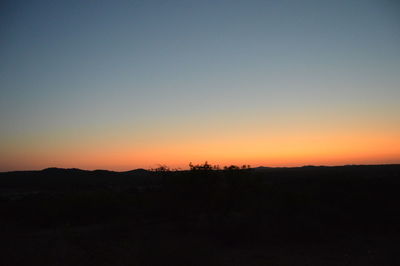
{"x": 223, "y": 207}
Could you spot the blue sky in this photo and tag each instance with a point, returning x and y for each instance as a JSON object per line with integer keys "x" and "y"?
{"x": 87, "y": 67}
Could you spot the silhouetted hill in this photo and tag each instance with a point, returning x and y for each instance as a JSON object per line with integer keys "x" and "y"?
{"x": 137, "y": 171}
{"x": 333, "y": 214}
{"x": 59, "y": 178}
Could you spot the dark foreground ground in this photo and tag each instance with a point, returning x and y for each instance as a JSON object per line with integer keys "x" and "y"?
{"x": 346, "y": 215}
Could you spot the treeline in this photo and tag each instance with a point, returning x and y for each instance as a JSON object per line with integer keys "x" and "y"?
{"x": 202, "y": 167}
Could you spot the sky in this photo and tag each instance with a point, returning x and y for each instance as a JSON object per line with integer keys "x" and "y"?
{"x": 121, "y": 85}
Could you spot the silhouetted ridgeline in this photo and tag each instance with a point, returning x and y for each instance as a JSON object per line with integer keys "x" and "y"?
{"x": 233, "y": 207}
{"x": 264, "y": 192}
{"x": 59, "y": 178}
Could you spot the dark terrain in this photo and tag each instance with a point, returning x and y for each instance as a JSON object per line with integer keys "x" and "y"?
{"x": 346, "y": 215}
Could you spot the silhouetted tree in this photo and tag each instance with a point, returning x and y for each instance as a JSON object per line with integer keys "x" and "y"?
{"x": 161, "y": 168}
{"x": 202, "y": 167}
{"x": 231, "y": 167}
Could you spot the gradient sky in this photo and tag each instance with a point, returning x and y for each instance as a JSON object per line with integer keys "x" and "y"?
{"x": 127, "y": 84}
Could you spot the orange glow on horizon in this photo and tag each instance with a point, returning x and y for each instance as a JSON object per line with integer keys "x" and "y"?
{"x": 253, "y": 149}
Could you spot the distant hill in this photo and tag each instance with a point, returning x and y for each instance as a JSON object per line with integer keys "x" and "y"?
{"x": 60, "y": 178}
{"x": 73, "y": 178}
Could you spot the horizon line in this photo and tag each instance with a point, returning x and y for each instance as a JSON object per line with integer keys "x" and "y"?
{"x": 179, "y": 169}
